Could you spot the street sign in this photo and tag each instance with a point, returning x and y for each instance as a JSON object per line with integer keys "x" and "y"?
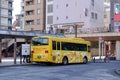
{"x": 25, "y": 49}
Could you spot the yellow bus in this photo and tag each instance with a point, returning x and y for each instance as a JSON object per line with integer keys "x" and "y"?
{"x": 49, "y": 49}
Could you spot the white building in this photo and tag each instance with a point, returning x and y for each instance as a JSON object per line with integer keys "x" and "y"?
{"x": 68, "y": 13}
{"x": 89, "y": 12}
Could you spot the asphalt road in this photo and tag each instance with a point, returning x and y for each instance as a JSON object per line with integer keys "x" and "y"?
{"x": 90, "y": 71}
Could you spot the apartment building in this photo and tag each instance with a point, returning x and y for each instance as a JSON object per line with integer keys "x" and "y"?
{"x": 6, "y": 14}
{"x": 34, "y": 15}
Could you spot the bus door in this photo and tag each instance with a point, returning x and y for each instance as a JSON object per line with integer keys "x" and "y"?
{"x": 56, "y": 51}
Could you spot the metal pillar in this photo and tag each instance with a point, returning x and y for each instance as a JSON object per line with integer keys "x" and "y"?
{"x": 111, "y": 27}
{"x": 102, "y": 48}
{"x": 99, "y": 42}
{"x": 15, "y": 46}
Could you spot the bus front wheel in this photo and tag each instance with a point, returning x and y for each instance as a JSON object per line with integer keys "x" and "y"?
{"x": 65, "y": 61}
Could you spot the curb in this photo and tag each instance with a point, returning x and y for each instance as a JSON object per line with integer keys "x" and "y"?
{"x": 117, "y": 71}
{"x": 13, "y": 65}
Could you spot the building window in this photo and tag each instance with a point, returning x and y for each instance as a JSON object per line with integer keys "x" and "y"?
{"x": 66, "y": 5}
{"x": 92, "y": 2}
{"x": 31, "y": 2}
{"x": 29, "y": 22}
{"x": 50, "y": 8}
{"x": 86, "y": 12}
{"x": 10, "y": 5}
{"x": 9, "y": 13}
{"x": 96, "y": 16}
{"x": 57, "y": 18}
{"x": 29, "y": 12}
{"x": 38, "y": 21}
{"x": 50, "y": 20}
{"x": 92, "y": 15}
{"x": 38, "y": 11}
{"x": 66, "y": 17}
{"x": 38, "y": 1}
{"x": 9, "y": 22}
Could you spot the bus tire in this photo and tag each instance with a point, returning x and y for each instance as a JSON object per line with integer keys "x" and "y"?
{"x": 65, "y": 61}
{"x": 85, "y": 60}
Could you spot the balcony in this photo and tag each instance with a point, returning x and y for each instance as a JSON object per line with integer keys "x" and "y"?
{"x": 4, "y": 15}
{"x": 10, "y": 8}
{"x": 4, "y": 6}
{"x": 4, "y": 25}
{"x": 10, "y": 17}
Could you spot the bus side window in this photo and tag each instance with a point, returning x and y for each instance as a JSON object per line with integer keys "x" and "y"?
{"x": 54, "y": 45}
{"x": 58, "y": 45}
{"x": 64, "y": 46}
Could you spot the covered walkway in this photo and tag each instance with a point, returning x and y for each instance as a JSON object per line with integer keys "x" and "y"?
{"x": 102, "y": 43}
{"x": 27, "y": 35}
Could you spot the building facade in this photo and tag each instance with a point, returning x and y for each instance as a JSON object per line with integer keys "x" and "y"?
{"x": 18, "y": 24}
{"x": 6, "y": 14}
{"x": 107, "y": 15}
{"x": 87, "y": 15}
{"x": 34, "y": 15}
{"x": 117, "y": 17}
{"x": 49, "y": 14}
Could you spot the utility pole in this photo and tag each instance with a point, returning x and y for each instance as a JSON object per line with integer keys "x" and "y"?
{"x": 15, "y": 46}
{"x": 111, "y": 27}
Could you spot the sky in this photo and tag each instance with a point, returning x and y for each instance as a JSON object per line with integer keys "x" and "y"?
{"x": 16, "y": 8}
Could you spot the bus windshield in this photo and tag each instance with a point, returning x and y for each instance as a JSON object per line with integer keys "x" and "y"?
{"x": 39, "y": 41}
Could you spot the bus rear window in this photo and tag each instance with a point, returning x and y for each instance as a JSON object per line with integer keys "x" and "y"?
{"x": 40, "y": 41}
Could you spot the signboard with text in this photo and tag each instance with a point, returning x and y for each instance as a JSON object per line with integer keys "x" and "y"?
{"x": 25, "y": 49}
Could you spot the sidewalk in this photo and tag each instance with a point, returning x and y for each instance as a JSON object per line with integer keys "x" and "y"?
{"x": 9, "y": 61}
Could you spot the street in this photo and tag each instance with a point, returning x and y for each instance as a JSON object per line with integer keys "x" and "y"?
{"x": 90, "y": 71}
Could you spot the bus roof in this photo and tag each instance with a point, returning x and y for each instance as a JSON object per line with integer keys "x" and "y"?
{"x": 75, "y": 40}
